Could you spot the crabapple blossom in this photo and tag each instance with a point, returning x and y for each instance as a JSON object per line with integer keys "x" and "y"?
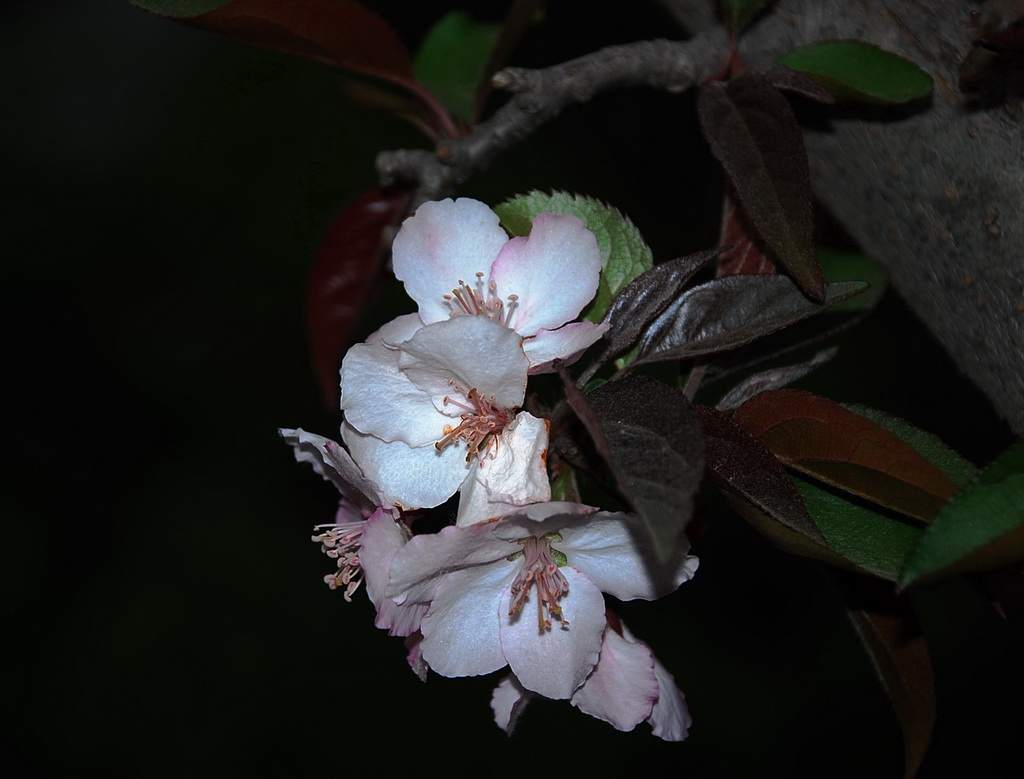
{"x": 456, "y": 260}
{"x": 484, "y": 582}
{"x": 430, "y": 409}
{"x": 366, "y": 532}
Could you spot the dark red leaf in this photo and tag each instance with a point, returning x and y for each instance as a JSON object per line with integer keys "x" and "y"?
{"x": 831, "y": 443}
{"x": 789, "y": 80}
{"x": 741, "y": 253}
{"x": 346, "y": 263}
{"x": 739, "y": 462}
{"x": 754, "y": 134}
{"x": 338, "y": 32}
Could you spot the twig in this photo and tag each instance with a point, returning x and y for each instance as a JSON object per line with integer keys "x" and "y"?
{"x": 540, "y": 95}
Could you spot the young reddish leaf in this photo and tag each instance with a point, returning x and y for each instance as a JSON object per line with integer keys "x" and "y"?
{"x": 773, "y": 378}
{"x": 754, "y": 134}
{"x": 826, "y": 441}
{"x": 741, "y": 253}
{"x": 650, "y": 437}
{"x": 338, "y": 32}
{"x": 981, "y": 528}
{"x": 789, "y": 80}
{"x": 739, "y": 462}
{"x": 645, "y": 297}
{"x": 900, "y": 656}
{"x": 727, "y": 313}
{"x": 346, "y": 264}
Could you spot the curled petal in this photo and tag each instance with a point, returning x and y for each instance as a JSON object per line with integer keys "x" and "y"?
{"x": 623, "y": 688}
{"x": 566, "y": 344}
{"x": 508, "y": 701}
{"x": 334, "y": 464}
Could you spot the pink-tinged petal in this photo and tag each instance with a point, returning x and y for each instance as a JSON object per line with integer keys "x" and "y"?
{"x": 443, "y": 243}
{"x": 507, "y": 702}
{"x": 333, "y": 463}
{"x": 460, "y": 631}
{"x": 670, "y": 716}
{"x": 473, "y": 352}
{"x": 554, "y": 272}
{"x": 420, "y": 566}
{"x": 555, "y": 662}
{"x": 516, "y": 474}
{"x": 622, "y": 689}
{"x": 566, "y": 343}
{"x": 410, "y": 477}
{"x": 382, "y": 538}
{"x": 378, "y": 398}
{"x": 414, "y": 657}
{"x": 615, "y": 552}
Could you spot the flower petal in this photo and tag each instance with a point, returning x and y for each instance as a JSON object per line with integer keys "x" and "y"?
{"x": 555, "y": 662}
{"x": 333, "y": 463}
{"x": 410, "y": 478}
{"x": 554, "y": 271}
{"x": 670, "y": 716}
{"x": 460, "y": 631}
{"x": 443, "y": 243}
{"x": 566, "y": 344}
{"x": 614, "y": 551}
{"x": 507, "y": 702}
{"x": 622, "y": 689}
{"x": 378, "y": 398}
{"x": 475, "y": 353}
{"x": 382, "y": 538}
{"x": 516, "y": 476}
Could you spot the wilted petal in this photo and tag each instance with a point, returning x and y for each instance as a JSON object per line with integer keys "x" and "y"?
{"x": 443, "y": 243}
{"x": 622, "y": 689}
{"x": 554, "y": 661}
{"x": 516, "y": 475}
{"x": 333, "y": 463}
{"x": 554, "y": 272}
{"x": 410, "y": 477}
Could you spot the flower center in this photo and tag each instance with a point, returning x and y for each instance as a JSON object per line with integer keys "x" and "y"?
{"x": 466, "y": 299}
{"x": 540, "y": 569}
{"x": 342, "y": 542}
{"x": 483, "y": 420}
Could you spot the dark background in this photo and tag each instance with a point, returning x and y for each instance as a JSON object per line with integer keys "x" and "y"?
{"x": 164, "y": 190}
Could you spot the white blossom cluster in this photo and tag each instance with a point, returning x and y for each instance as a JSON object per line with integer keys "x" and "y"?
{"x": 432, "y": 408}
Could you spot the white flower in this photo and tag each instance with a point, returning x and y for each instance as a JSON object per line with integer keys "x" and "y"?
{"x": 627, "y": 686}
{"x": 455, "y": 259}
{"x": 366, "y": 532}
{"x": 484, "y": 583}
{"x": 430, "y": 409}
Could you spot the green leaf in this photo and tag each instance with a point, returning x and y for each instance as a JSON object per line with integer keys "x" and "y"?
{"x": 452, "y": 59}
{"x": 982, "y": 527}
{"x": 872, "y": 542}
{"x": 855, "y": 70}
{"x": 624, "y": 254}
{"x": 848, "y": 266}
{"x": 739, "y": 12}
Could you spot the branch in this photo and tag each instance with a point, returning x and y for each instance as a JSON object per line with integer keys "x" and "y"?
{"x": 540, "y": 95}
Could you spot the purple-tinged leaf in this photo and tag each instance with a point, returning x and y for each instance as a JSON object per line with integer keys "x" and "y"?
{"x": 650, "y": 438}
{"x": 774, "y": 378}
{"x": 742, "y": 253}
{"x": 645, "y": 297}
{"x": 727, "y": 313}
{"x": 754, "y": 134}
{"x": 789, "y": 80}
{"x": 347, "y": 263}
{"x": 900, "y": 656}
{"x": 822, "y": 439}
{"x": 737, "y": 461}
